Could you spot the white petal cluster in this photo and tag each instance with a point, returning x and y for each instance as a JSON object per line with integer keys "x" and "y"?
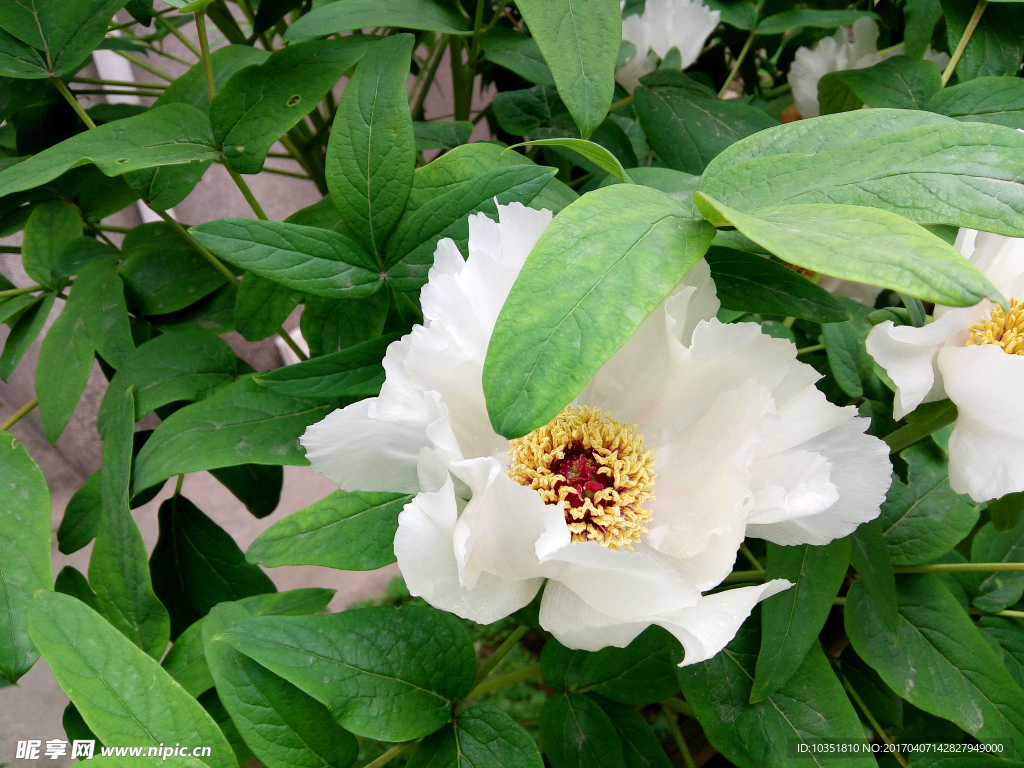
{"x": 744, "y": 445}
{"x": 986, "y": 449}
{"x": 664, "y": 24}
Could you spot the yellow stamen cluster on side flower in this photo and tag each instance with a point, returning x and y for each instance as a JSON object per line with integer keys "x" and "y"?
{"x": 595, "y": 468}
{"x": 1004, "y": 329}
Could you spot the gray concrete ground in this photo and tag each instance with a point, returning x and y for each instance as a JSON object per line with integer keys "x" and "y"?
{"x": 33, "y": 708}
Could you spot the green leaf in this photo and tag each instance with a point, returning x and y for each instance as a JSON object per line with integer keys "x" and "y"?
{"x": 852, "y": 367}
{"x": 924, "y": 519}
{"x": 355, "y": 372}
{"x": 66, "y": 31}
{"x": 632, "y": 245}
{"x": 912, "y": 163}
{"x": 677, "y": 184}
{"x": 525, "y": 111}
{"x": 808, "y": 17}
{"x": 188, "y": 365}
{"x": 752, "y": 283}
{"x": 262, "y": 306}
{"x": 384, "y": 673}
{"x": 372, "y": 150}
{"x": 20, "y": 60}
{"x": 924, "y": 420}
{"x": 1006, "y": 636}
{"x": 118, "y": 570}
{"x": 124, "y": 696}
{"x": 1005, "y": 512}
{"x": 258, "y": 486}
{"x": 305, "y": 259}
{"x": 442, "y": 134}
{"x": 25, "y": 540}
{"x": 644, "y": 672}
{"x": 50, "y": 228}
{"x": 869, "y": 555}
{"x": 259, "y": 105}
{"x": 242, "y": 423}
{"x": 580, "y": 43}
{"x": 995, "y": 47}
{"x": 595, "y": 153}
{"x": 366, "y": 14}
{"x": 998, "y": 100}
{"x": 346, "y": 530}
{"x": 163, "y": 272}
{"x": 24, "y": 333}
{"x": 284, "y": 726}
{"x": 331, "y": 325}
{"x": 71, "y": 581}
{"x": 900, "y": 82}
{"x": 482, "y": 736}
{"x": 868, "y": 245}
{"x": 517, "y": 53}
{"x": 196, "y": 564}
{"x": 191, "y": 89}
{"x": 921, "y": 17}
{"x": 81, "y": 517}
{"x": 576, "y": 733}
{"x": 79, "y": 252}
{"x": 168, "y": 135}
{"x": 811, "y": 706}
{"x": 1000, "y": 589}
{"x": 881, "y": 700}
{"x": 938, "y": 660}
{"x": 445, "y": 192}
{"x": 687, "y": 124}
{"x": 640, "y": 745}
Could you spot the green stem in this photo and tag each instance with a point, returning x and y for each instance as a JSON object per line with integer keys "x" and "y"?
{"x": 673, "y": 725}
{"x": 812, "y": 348}
{"x": 745, "y": 550}
{"x": 173, "y": 29}
{"x": 492, "y": 661}
{"x": 494, "y": 683}
{"x": 773, "y": 93}
{"x": 177, "y": 485}
{"x": 412, "y": 305}
{"x": 964, "y": 39}
{"x": 214, "y": 261}
{"x": 1007, "y": 614}
{"x": 166, "y": 55}
{"x": 145, "y": 65}
{"x": 112, "y": 228}
{"x": 250, "y": 198}
{"x": 307, "y": 161}
{"x": 204, "y": 54}
{"x": 736, "y": 64}
{"x": 417, "y": 109}
{"x": 10, "y": 249}
{"x": 19, "y": 414}
{"x": 840, "y": 601}
{"x": 740, "y": 576}
{"x": 293, "y": 174}
{"x": 871, "y": 719}
{"x": 126, "y": 83}
{"x": 958, "y": 567}
{"x": 462, "y": 80}
{"x": 291, "y": 343}
{"x": 70, "y": 98}
{"x": 116, "y": 92}
{"x": 391, "y": 754}
{"x": 619, "y": 104}
{"x": 679, "y": 706}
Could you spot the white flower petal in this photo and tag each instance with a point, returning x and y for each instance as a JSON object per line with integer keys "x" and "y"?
{"x": 1001, "y": 259}
{"x": 791, "y": 485}
{"x": 665, "y": 24}
{"x": 831, "y": 54}
{"x": 423, "y": 546}
{"x": 986, "y": 449}
{"x": 576, "y": 625}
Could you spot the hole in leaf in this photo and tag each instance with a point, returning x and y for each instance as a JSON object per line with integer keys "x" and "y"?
{"x": 122, "y": 160}
{"x": 294, "y": 100}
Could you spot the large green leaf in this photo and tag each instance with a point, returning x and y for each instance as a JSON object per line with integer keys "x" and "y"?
{"x": 924, "y": 518}
{"x": 868, "y": 245}
{"x": 779, "y": 23}
{"x": 81, "y": 516}
{"x": 1001, "y": 589}
{"x": 938, "y": 660}
{"x": 627, "y": 246}
{"x": 810, "y": 707}
{"x": 518, "y": 53}
{"x": 751, "y": 283}
{"x": 191, "y": 88}
{"x": 355, "y": 371}
{"x": 595, "y": 153}
{"x": 792, "y": 619}
{"x": 366, "y": 14}
{"x": 50, "y": 228}
{"x": 66, "y": 31}
{"x": 28, "y": 326}
{"x": 939, "y": 171}
{"x": 242, "y": 423}
{"x": 372, "y": 150}
{"x": 168, "y": 135}
{"x": 852, "y": 367}
{"x": 351, "y": 531}
{"x": 644, "y": 672}
{"x": 123, "y": 695}
{"x": 870, "y": 557}
{"x": 995, "y": 46}
{"x": 19, "y": 60}
{"x": 687, "y": 124}
{"x": 262, "y": 306}
{"x": 481, "y": 736}
{"x": 640, "y": 745}
{"x": 331, "y": 325}
{"x": 259, "y": 105}
{"x": 444, "y": 193}
{"x": 118, "y": 570}
{"x": 578, "y": 734}
{"x": 1007, "y": 637}
{"x": 258, "y": 486}
{"x": 285, "y": 727}
{"x": 197, "y": 564}
{"x": 900, "y": 82}
{"x": 25, "y": 541}
{"x": 998, "y": 100}
{"x": 306, "y": 259}
{"x": 580, "y": 42}
{"x": 384, "y": 673}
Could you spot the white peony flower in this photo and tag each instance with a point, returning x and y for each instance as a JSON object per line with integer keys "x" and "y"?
{"x": 630, "y": 524}
{"x": 838, "y": 53}
{"x": 664, "y": 24}
{"x": 975, "y": 357}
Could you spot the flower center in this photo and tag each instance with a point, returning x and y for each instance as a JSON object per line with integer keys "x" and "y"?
{"x": 595, "y": 467}
{"x": 1004, "y": 329}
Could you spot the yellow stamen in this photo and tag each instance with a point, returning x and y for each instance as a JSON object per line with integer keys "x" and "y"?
{"x": 1006, "y": 330}
{"x": 593, "y": 467}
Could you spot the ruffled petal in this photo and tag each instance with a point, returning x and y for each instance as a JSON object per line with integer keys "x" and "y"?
{"x": 986, "y": 449}
{"x": 790, "y": 485}
{"x": 576, "y": 625}
{"x": 425, "y": 552}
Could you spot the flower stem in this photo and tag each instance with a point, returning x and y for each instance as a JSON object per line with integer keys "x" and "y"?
{"x": 19, "y": 414}
{"x": 125, "y": 83}
{"x": 391, "y": 754}
{"x": 958, "y": 567}
{"x": 214, "y": 261}
{"x": 739, "y": 576}
{"x": 18, "y": 291}
{"x": 428, "y": 78}
{"x": 112, "y": 228}
{"x": 177, "y": 485}
{"x": 291, "y": 343}
{"x": 812, "y": 348}
{"x": 145, "y": 65}
{"x": 282, "y": 172}
{"x": 10, "y": 249}
{"x": 750, "y": 557}
{"x": 173, "y": 29}
{"x": 679, "y": 706}
{"x": 619, "y": 104}
{"x": 204, "y": 53}
{"x": 678, "y": 736}
{"x": 964, "y": 39}
{"x": 492, "y": 661}
{"x": 1006, "y": 614}
{"x": 70, "y": 98}
{"x": 250, "y": 198}
{"x": 501, "y": 681}
{"x": 736, "y": 64}
{"x": 871, "y": 719}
